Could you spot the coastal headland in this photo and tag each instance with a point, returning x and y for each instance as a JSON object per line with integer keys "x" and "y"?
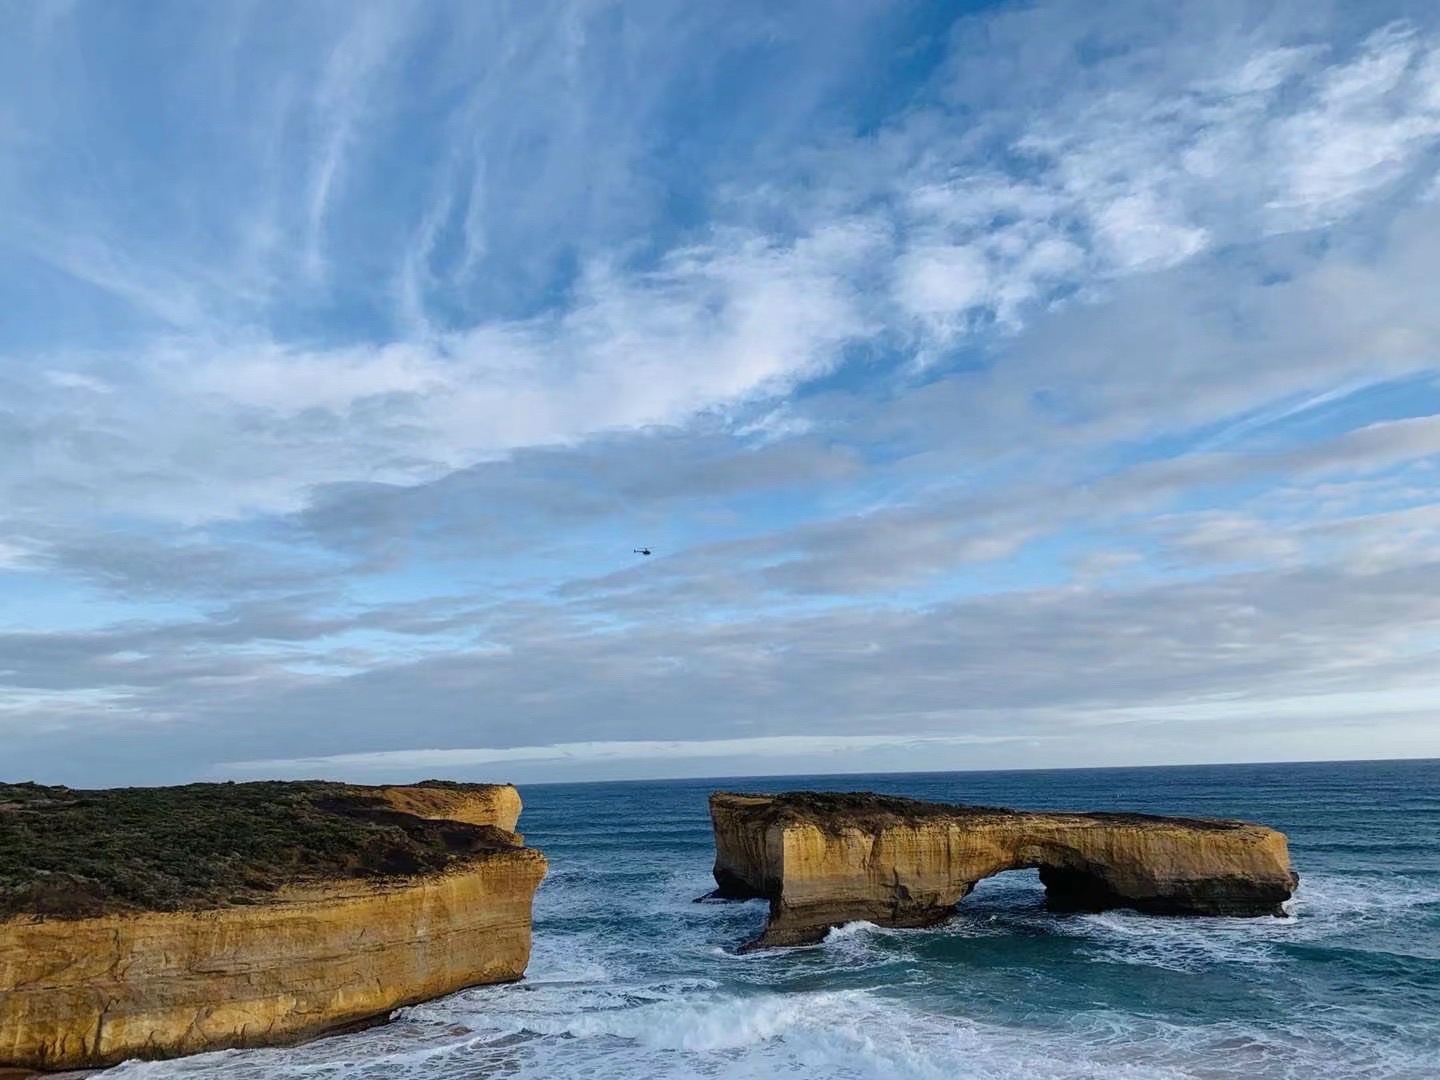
{"x": 157, "y": 922}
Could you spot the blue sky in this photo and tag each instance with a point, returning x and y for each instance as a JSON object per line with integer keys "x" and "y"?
{"x": 999, "y": 385}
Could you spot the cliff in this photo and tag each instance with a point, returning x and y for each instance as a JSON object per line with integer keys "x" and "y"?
{"x": 823, "y": 860}
{"x": 152, "y": 923}
{"x": 473, "y": 804}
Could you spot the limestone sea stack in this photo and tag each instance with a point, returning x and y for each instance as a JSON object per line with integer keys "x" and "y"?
{"x": 824, "y": 859}
{"x": 156, "y": 922}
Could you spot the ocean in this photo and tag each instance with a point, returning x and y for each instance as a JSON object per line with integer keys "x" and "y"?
{"x": 630, "y": 978}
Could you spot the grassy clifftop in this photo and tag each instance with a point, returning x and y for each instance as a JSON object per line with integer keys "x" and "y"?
{"x": 69, "y": 853}
{"x": 863, "y": 809}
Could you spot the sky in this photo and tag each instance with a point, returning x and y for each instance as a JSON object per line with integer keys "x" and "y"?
{"x": 998, "y": 385}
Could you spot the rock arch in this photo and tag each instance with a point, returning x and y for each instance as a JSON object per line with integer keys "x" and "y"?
{"x": 823, "y": 860}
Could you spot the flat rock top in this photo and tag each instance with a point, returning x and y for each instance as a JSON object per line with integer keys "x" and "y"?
{"x": 865, "y": 810}
{"x": 69, "y": 853}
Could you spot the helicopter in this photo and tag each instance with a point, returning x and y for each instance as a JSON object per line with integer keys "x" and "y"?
{"x": 642, "y": 551}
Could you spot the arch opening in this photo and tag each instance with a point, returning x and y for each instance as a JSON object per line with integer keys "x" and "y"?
{"x": 1063, "y": 884}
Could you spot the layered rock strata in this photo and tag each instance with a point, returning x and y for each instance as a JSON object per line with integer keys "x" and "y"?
{"x": 410, "y": 893}
{"x": 823, "y": 860}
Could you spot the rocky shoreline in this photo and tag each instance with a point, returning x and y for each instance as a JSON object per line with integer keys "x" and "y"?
{"x": 338, "y": 905}
{"x": 154, "y": 923}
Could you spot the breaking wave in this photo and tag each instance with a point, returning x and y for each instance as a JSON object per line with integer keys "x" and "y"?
{"x": 630, "y": 978}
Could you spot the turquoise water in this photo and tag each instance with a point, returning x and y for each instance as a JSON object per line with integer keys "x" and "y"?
{"x": 631, "y": 979}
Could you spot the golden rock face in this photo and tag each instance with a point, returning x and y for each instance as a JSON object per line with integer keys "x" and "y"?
{"x": 95, "y": 991}
{"x": 474, "y": 804}
{"x": 824, "y": 860}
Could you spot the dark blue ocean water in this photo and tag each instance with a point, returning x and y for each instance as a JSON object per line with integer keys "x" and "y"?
{"x": 631, "y": 979}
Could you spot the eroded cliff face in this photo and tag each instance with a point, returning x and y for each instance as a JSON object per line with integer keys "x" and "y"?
{"x": 94, "y": 991}
{"x": 823, "y": 860}
{"x": 473, "y": 804}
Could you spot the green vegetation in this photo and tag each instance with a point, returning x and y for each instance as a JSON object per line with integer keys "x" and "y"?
{"x": 73, "y": 853}
{"x": 863, "y": 809}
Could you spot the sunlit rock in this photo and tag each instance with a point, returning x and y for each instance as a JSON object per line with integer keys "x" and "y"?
{"x": 823, "y": 860}
{"x": 150, "y": 923}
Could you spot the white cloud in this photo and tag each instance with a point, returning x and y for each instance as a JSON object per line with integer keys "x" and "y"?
{"x": 944, "y": 280}
{"x": 1365, "y": 126}
{"x": 1136, "y": 231}
{"x": 14, "y": 556}
{"x": 1111, "y": 182}
{"x": 219, "y": 430}
{"x": 348, "y": 86}
{"x": 590, "y": 753}
{"x": 1267, "y": 71}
